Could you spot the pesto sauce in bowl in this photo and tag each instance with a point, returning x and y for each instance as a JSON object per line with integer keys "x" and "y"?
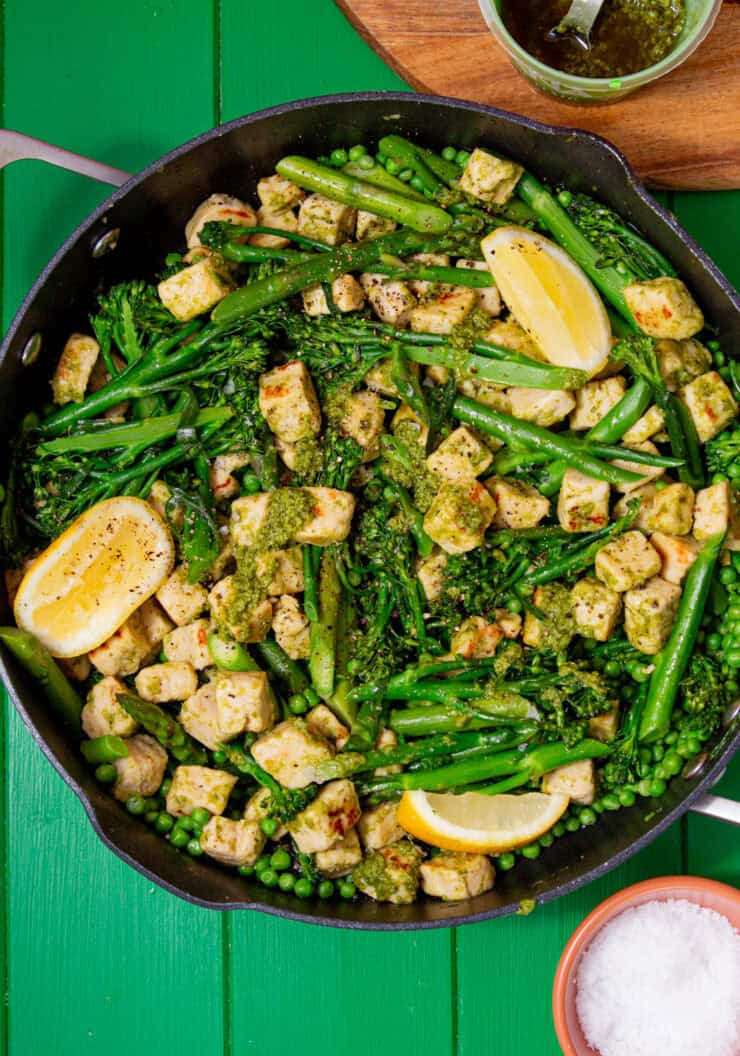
{"x": 629, "y": 35}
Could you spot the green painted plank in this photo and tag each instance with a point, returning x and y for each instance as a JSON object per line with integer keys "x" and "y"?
{"x": 100, "y": 959}
{"x": 324, "y": 986}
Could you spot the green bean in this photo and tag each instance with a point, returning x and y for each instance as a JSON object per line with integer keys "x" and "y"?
{"x": 360, "y": 194}
{"x": 285, "y": 669}
{"x": 407, "y": 383}
{"x": 105, "y": 749}
{"x": 529, "y": 374}
{"x": 578, "y": 560}
{"x": 311, "y": 557}
{"x": 37, "y": 661}
{"x": 322, "y": 661}
{"x": 428, "y": 719}
{"x": 671, "y": 662}
{"x": 517, "y": 433}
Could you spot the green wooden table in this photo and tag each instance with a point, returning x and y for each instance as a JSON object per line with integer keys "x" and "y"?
{"x": 97, "y": 959}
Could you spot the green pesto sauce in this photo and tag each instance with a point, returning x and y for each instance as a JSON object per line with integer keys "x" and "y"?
{"x": 288, "y": 511}
{"x": 469, "y": 517}
{"x": 558, "y": 628}
{"x": 372, "y": 874}
{"x": 463, "y": 336}
{"x": 628, "y": 36}
{"x": 308, "y": 458}
{"x": 420, "y": 480}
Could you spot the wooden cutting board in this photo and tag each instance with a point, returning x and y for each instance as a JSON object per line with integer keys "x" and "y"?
{"x": 682, "y": 132}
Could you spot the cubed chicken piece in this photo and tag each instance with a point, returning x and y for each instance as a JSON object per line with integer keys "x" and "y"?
{"x": 346, "y": 293}
{"x": 672, "y": 510}
{"x": 490, "y": 178}
{"x": 245, "y": 626}
{"x": 460, "y": 456}
{"x": 487, "y": 298}
{"x": 627, "y": 561}
{"x": 248, "y": 517}
{"x": 331, "y": 517}
{"x": 576, "y": 780}
{"x": 281, "y": 220}
{"x": 507, "y": 333}
{"x": 453, "y": 875}
{"x": 544, "y": 407}
{"x": 459, "y": 516}
{"x": 517, "y": 505}
{"x": 604, "y": 727}
{"x": 232, "y": 842}
{"x": 291, "y": 753}
{"x": 74, "y": 368}
{"x": 391, "y": 301}
{"x": 664, "y": 307}
{"x": 710, "y": 403}
{"x": 103, "y": 714}
{"x": 159, "y": 498}
{"x": 682, "y": 361}
{"x": 405, "y": 414}
{"x": 161, "y": 683}
{"x": 422, "y": 287}
{"x": 142, "y": 771}
{"x": 363, "y": 420}
{"x": 490, "y": 395}
{"x": 189, "y": 643}
{"x": 76, "y": 668}
{"x": 245, "y": 703}
{"x": 713, "y": 511}
{"x": 322, "y": 721}
{"x": 224, "y": 484}
{"x": 281, "y": 570}
{"x": 275, "y": 192}
{"x": 199, "y": 786}
{"x": 645, "y": 473}
{"x": 329, "y": 818}
{"x": 379, "y": 377}
{"x": 594, "y": 399}
{"x": 430, "y": 571}
{"x": 509, "y": 622}
{"x": 390, "y": 874}
{"x": 155, "y": 621}
{"x": 199, "y": 716}
{"x": 652, "y": 422}
{"x": 289, "y": 403}
{"x": 341, "y": 858}
{"x": 387, "y": 738}
{"x": 558, "y": 627}
{"x": 325, "y": 220}
{"x": 583, "y": 503}
{"x": 649, "y": 612}
{"x": 476, "y": 638}
{"x": 225, "y": 563}
{"x": 644, "y": 497}
{"x": 444, "y": 312}
{"x": 182, "y": 601}
{"x": 596, "y": 608}
{"x": 218, "y": 208}
{"x": 259, "y": 806}
{"x": 125, "y": 651}
{"x": 371, "y": 226}
{"x": 195, "y": 289}
{"x": 291, "y": 628}
{"x": 677, "y": 552}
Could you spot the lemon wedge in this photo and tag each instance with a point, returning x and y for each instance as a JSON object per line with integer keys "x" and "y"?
{"x": 550, "y": 297}
{"x": 479, "y": 823}
{"x": 85, "y": 585}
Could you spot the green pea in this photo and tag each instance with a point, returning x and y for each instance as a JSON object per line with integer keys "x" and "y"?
{"x": 365, "y": 162}
{"x": 326, "y": 889}
{"x": 251, "y": 484}
{"x": 261, "y": 864}
{"x": 733, "y": 612}
{"x": 587, "y": 816}
{"x": 694, "y": 745}
{"x": 163, "y": 822}
{"x": 381, "y": 158}
{"x": 611, "y": 801}
{"x": 462, "y": 158}
{"x": 643, "y": 769}
{"x": 151, "y": 816}
{"x": 683, "y": 750}
{"x": 736, "y": 560}
{"x": 660, "y": 773}
{"x": 449, "y": 153}
{"x": 657, "y": 752}
{"x": 186, "y": 823}
{"x": 514, "y": 604}
{"x": 269, "y": 877}
{"x": 638, "y": 672}
{"x": 672, "y": 763}
{"x": 356, "y": 152}
{"x": 732, "y": 686}
{"x": 136, "y": 805}
{"x": 572, "y": 825}
{"x": 303, "y": 887}
{"x": 280, "y": 860}
{"x": 713, "y": 345}
{"x": 733, "y": 658}
{"x": 165, "y": 786}
{"x": 417, "y": 184}
{"x": 719, "y": 358}
{"x": 338, "y": 157}
{"x": 657, "y": 788}
{"x": 718, "y": 478}
{"x": 644, "y": 786}
{"x": 558, "y": 829}
{"x": 286, "y": 881}
{"x": 201, "y": 816}
{"x": 194, "y": 848}
{"x": 546, "y": 839}
{"x": 507, "y": 860}
{"x": 406, "y": 175}
{"x": 714, "y": 642}
{"x": 106, "y": 773}
{"x": 393, "y": 168}
{"x": 347, "y": 889}
{"x": 727, "y": 575}
{"x": 245, "y": 870}
{"x": 626, "y": 797}
{"x": 269, "y": 826}
{"x": 598, "y": 806}
{"x": 725, "y": 373}
{"x": 298, "y": 704}
{"x": 179, "y": 838}
{"x": 219, "y": 758}
{"x": 671, "y": 737}
{"x": 312, "y": 697}
{"x": 532, "y": 850}
{"x": 565, "y": 198}
{"x": 612, "y": 668}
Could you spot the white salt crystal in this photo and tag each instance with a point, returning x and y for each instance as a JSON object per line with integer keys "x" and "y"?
{"x": 663, "y": 977}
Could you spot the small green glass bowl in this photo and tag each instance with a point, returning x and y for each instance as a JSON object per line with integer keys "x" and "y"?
{"x": 700, "y": 17}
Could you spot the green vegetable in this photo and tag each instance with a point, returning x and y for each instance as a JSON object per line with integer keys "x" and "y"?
{"x": 288, "y": 671}
{"x": 164, "y": 728}
{"x": 230, "y": 655}
{"x": 104, "y": 749}
{"x": 37, "y": 662}
{"x": 322, "y": 661}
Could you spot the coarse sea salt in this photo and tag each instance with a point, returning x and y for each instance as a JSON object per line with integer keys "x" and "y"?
{"x": 663, "y": 977}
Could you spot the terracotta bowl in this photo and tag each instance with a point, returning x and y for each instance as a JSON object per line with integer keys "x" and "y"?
{"x": 720, "y": 897}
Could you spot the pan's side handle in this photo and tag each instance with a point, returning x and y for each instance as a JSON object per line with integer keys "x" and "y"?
{"x": 718, "y": 807}
{"x": 14, "y": 146}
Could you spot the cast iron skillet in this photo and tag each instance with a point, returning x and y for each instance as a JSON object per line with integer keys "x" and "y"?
{"x": 150, "y": 211}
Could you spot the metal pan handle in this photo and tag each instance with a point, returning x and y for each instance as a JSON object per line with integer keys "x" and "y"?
{"x": 14, "y": 146}
{"x": 718, "y": 807}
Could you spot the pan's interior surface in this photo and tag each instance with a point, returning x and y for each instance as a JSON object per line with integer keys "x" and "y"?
{"x": 151, "y": 213}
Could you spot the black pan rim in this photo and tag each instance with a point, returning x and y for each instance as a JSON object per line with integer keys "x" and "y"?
{"x": 713, "y": 773}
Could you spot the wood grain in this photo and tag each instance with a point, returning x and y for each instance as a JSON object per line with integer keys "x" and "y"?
{"x": 681, "y": 132}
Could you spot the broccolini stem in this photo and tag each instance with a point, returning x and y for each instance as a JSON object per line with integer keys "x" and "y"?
{"x": 148, "y": 431}
{"x": 529, "y": 375}
{"x": 322, "y": 662}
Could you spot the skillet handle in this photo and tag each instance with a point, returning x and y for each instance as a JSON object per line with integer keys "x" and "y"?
{"x": 718, "y": 807}
{"x": 14, "y": 146}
